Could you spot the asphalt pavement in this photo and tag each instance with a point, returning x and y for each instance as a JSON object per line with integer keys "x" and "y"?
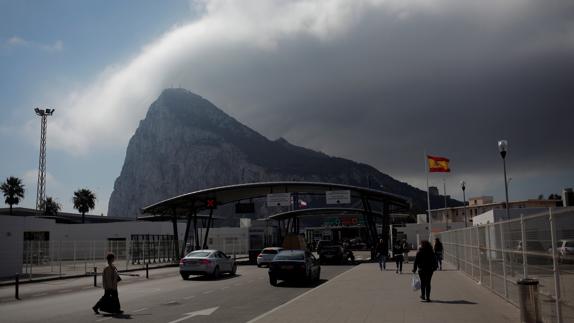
{"x": 165, "y": 297}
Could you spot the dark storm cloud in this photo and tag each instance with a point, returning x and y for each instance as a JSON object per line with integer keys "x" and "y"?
{"x": 375, "y": 81}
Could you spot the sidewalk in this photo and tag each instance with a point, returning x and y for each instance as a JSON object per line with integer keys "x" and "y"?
{"x": 365, "y": 294}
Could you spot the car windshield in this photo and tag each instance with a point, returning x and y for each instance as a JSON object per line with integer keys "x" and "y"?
{"x": 269, "y": 251}
{"x": 290, "y": 255}
{"x": 198, "y": 254}
{"x": 569, "y": 244}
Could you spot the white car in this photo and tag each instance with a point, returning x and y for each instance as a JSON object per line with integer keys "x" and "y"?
{"x": 266, "y": 256}
{"x": 565, "y": 250}
{"x": 206, "y": 262}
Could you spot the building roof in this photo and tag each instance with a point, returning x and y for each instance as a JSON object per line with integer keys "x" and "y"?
{"x": 62, "y": 217}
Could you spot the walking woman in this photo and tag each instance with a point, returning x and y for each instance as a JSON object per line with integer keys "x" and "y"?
{"x": 381, "y": 254}
{"x": 399, "y": 257}
{"x": 426, "y": 264}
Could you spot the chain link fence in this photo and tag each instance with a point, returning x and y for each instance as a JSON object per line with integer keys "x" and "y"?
{"x": 42, "y": 259}
{"x": 540, "y": 247}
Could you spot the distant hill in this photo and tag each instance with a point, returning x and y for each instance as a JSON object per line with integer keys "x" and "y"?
{"x": 185, "y": 143}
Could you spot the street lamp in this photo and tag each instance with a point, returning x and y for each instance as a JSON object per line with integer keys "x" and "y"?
{"x": 503, "y": 148}
{"x": 463, "y": 187}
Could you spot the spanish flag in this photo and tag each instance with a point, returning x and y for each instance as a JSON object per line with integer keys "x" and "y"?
{"x": 438, "y": 164}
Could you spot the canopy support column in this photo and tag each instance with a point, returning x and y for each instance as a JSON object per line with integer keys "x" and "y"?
{"x": 207, "y": 229}
{"x": 185, "y": 236}
{"x": 195, "y": 231}
{"x": 175, "y": 235}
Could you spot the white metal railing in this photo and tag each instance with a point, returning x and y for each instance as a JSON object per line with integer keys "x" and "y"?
{"x": 498, "y": 255}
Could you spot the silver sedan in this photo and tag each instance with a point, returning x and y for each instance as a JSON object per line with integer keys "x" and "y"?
{"x": 206, "y": 262}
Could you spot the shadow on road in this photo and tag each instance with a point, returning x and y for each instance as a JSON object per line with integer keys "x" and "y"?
{"x": 119, "y": 316}
{"x": 456, "y": 302}
{"x": 209, "y": 278}
{"x": 300, "y": 284}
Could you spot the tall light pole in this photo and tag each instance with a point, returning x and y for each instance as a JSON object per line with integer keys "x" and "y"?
{"x": 463, "y": 187}
{"x": 503, "y": 148}
{"x": 41, "y": 189}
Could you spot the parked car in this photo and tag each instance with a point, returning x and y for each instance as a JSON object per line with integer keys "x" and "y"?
{"x": 294, "y": 265}
{"x": 206, "y": 262}
{"x": 266, "y": 256}
{"x": 565, "y": 250}
{"x": 335, "y": 253}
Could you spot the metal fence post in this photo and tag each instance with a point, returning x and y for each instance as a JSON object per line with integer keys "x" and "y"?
{"x": 479, "y": 256}
{"x": 60, "y": 257}
{"x": 489, "y": 250}
{"x": 17, "y": 286}
{"x": 472, "y": 250}
{"x": 556, "y": 269}
{"x": 503, "y": 260}
{"x": 523, "y": 239}
{"x": 127, "y": 253}
{"x": 74, "y": 255}
{"x": 95, "y": 276}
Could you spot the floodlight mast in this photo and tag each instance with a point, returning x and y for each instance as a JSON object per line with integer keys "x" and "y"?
{"x": 41, "y": 188}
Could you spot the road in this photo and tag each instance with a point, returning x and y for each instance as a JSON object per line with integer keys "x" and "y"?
{"x": 163, "y": 298}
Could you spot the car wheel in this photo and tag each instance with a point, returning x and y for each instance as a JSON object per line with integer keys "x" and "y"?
{"x": 185, "y": 276}
{"x": 272, "y": 281}
{"x": 215, "y": 272}
{"x": 259, "y": 266}
{"x": 233, "y": 269}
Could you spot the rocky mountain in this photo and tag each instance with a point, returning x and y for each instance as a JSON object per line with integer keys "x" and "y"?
{"x": 185, "y": 143}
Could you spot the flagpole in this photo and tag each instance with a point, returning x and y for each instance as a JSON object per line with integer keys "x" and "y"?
{"x": 445, "y": 203}
{"x": 428, "y": 198}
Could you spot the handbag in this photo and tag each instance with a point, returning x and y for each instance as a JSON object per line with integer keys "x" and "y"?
{"x": 416, "y": 282}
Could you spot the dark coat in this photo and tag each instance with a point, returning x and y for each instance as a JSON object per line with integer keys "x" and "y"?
{"x": 425, "y": 261}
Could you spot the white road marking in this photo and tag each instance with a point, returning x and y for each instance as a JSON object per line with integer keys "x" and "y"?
{"x": 224, "y": 288}
{"x": 139, "y": 310}
{"x": 38, "y": 295}
{"x": 104, "y": 319}
{"x": 237, "y": 284}
{"x": 189, "y": 297}
{"x": 87, "y": 287}
{"x": 208, "y": 292}
{"x": 65, "y": 291}
{"x": 171, "y": 302}
{"x": 205, "y": 312}
{"x": 300, "y": 296}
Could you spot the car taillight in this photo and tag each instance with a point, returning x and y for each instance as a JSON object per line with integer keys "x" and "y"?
{"x": 204, "y": 261}
{"x": 259, "y": 255}
{"x": 181, "y": 261}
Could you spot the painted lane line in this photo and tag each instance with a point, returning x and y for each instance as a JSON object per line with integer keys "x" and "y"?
{"x": 189, "y": 297}
{"x": 89, "y": 287}
{"x": 300, "y": 296}
{"x": 171, "y": 302}
{"x": 139, "y": 310}
{"x": 38, "y": 295}
{"x": 104, "y": 319}
{"x": 208, "y": 292}
{"x": 205, "y": 312}
{"x": 65, "y": 291}
{"x": 224, "y": 288}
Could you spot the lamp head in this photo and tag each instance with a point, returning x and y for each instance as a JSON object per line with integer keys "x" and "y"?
{"x": 503, "y": 147}
{"x": 463, "y": 185}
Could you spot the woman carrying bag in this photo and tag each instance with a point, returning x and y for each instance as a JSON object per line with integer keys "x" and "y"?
{"x": 426, "y": 264}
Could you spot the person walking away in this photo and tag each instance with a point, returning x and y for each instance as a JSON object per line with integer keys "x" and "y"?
{"x": 399, "y": 257}
{"x": 381, "y": 254}
{"x": 426, "y": 264}
{"x": 438, "y": 250}
{"x": 406, "y": 249}
{"x": 110, "y": 278}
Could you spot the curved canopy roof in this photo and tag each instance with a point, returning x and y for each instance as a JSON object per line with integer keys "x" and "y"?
{"x": 320, "y": 211}
{"x": 196, "y": 201}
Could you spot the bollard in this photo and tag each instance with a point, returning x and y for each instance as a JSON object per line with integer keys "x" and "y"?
{"x": 147, "y": 271}
{"x": 95, "y": 276}
{"x": 528, "y": 301}
{"x": 17, "y": 286}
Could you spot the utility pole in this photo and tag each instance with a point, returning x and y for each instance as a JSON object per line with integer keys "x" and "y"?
{"x": 41, "y": 188}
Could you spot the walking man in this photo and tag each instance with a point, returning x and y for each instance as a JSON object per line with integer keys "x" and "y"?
{"x": 438, "y": 250}
{"x": 399, "y": 257}
{"x": 382, "y": 254}
{"x": 110, "y": 278}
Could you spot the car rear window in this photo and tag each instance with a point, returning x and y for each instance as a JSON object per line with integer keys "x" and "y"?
{"x": 269, "y": 251}
{"x": 198, "y": 254}
{"x": 569, "y": 244}
{"x": 289, "y": 255}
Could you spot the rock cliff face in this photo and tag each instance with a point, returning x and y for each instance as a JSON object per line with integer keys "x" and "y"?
{"x": 185, "y": 143}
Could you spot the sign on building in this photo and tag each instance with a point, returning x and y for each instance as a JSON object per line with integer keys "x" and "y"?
{"x": 338, "y": 197}
{"x": 279, "y": 199}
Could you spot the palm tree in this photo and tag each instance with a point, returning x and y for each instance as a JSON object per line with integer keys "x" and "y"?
{"x": 50, "y": 206}
{"x": 84, "y": 200}
{"x": 13, "y": 191}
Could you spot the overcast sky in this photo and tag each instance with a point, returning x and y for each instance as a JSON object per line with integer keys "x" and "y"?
{"x": 379, "y": 82}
